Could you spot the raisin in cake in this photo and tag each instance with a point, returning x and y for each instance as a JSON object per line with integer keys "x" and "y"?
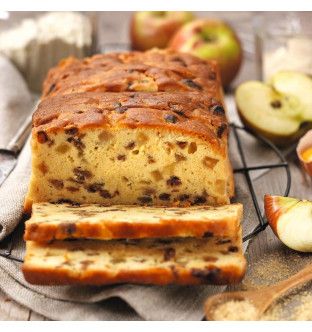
{"x": 146, "y": 261}
{"x": 64, "y": 221}
{"x": 152, "y": 71}
{"x": 130, "y": 148}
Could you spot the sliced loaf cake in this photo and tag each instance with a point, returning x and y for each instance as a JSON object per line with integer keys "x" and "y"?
{"x": 145, "y": 261}
{"x": 63, "y": 221}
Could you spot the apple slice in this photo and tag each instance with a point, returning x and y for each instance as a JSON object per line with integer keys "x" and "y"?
{"x": 297, "y": 86}
{"x": 261, "y": 108}
{"x": 291, "y": 220}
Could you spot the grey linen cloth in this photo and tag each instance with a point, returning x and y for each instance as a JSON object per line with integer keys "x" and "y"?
{"x": 12, "y": 194}
{"x": 97, "y": 303}
{"x": 15, "y": 101}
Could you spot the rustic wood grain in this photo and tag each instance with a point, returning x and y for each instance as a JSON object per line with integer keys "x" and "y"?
{"x": 10, "y": 310}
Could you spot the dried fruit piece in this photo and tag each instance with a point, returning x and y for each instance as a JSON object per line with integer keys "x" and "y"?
{"x": 218, "y": 110}
{"x": 130, "y": 145}
{"x": 43, "y": 168}
{"x": 119, "y": 108}
{"x": 179, "y": 157}
{"x": 210, "y": 162}
{"x": 221, "y": 129}
{"x": 58, "y": 184}
{"x": 192, "y": 148}
{"x": 81, "y": 175}
{"x": 164, "y": 197}
{"x": 95, "y": 187}
{"x": 42, "y": 137}
{"x": 145, "y": 199}
{"x": 105, "y": 193}
{"x": 157, "y": 176}
{"x": 150, "y": 159}
{"x": 184, "y": 197}
{"x": 62, "y": 148}
{"x": 169, "y": 254}
{"x": 174, "y": 181}
{"x": 121, "y": 157}
{"x": 191, "y": 84}
{"x": 71, "y": 131}
{"x": 105, "y": 136}
{"x": 182, "y": 145}
{"x": 170, "y": 118}
{"x": 51, "y": 88}
{"x": 200, "y": 200}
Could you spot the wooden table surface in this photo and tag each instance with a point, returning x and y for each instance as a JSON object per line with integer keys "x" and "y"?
{"x": 113, "y": 28}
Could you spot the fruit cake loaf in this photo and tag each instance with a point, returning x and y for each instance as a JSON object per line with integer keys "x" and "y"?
{"x": 64, "y": 221}
{"x": 152, "y": 71}
{"x": 145, "y": 261}
{"x": 130, "y": 148}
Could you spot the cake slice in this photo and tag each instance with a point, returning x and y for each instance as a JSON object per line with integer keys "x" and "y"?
{"x": 130, "y": 148}
{"x": 151, "y": 71}
{"x": 63, "y": 221}
{"x": 145, "y": 261}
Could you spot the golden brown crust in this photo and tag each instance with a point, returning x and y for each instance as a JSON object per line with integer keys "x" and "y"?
{"x": 110, "y": 229}
{"x": 189, "y": 113}
{"x": 154, "y": 70}
{"x": 171, "y": 228}
{"x": 155, "y": 276}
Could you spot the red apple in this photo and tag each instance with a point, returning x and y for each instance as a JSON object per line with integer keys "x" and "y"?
{"x": 291, "y": 221}
{"x": 155, "y": 29}
{"x": 211, "y": 39}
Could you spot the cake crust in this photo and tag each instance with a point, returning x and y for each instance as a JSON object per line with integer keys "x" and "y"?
{"x": 151, "y": 71}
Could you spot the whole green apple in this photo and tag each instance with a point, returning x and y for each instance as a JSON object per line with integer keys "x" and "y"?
{"x": 156, "y": 28}
{"x": 211, "y": 39}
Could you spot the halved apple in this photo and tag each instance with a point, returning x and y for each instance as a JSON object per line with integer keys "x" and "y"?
{"x": 291, "y": 220}
{"x": 280, "y": 110}
{"x": 264, "y": 110}
{"x": 295, "y": 85}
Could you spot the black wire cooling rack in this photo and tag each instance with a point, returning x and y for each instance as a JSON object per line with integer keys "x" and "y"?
{"x": 7, "y": 247}
{"x": 236, "y": 129}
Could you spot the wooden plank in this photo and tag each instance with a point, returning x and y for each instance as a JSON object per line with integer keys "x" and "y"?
{"x": 10, "y": 310}
{"x": 34, "y": 316}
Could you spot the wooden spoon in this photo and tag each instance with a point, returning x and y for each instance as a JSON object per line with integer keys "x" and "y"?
{"x": 261, "y": 298}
